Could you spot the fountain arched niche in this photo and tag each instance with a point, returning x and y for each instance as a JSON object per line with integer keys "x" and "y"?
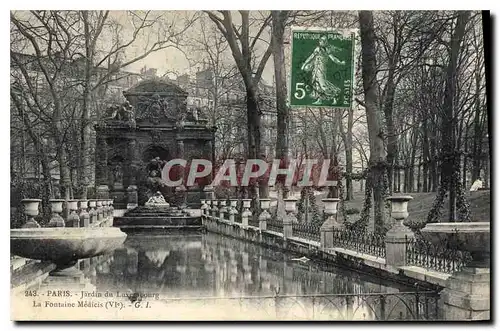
{"x": 153, "y": 159}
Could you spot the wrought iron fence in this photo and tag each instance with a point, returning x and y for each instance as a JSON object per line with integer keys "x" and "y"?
{"x": 440, "y": 258}
{"x": 275, "y": 224}
{"x": 253, "y": 220}
{"x": 306, "y": 230}
{"x": 408, "y": 306}
{"x": 360, "y": 241}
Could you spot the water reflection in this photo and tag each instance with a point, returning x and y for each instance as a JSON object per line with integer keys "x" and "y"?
{"x": 244, "y": 281}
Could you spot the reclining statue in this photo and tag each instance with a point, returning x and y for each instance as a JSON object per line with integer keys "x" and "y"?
{"x": 157, "y": 200}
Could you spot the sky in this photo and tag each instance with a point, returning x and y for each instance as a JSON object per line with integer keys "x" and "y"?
{"x": 172, "y": 60}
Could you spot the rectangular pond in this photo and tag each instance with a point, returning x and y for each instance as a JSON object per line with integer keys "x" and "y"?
{"x": 207, "y": 276}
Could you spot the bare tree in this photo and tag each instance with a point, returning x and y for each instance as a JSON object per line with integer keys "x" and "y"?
{"x": 243, "y": 49}
{"x": 377, "y": 164}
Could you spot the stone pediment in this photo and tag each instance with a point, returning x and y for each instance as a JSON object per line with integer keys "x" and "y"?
{"x": 158, "y": 102}
{"x": 156, "y": 86}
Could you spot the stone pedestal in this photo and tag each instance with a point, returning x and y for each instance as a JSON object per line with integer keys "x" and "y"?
{"x": 330, "y": 224}
{"x": 73, "y": 220}
{"x": 232, "y": 210}
{"x": 132, "y": 197}
{"x": 246, "y": 214}
{"x": 214, "y": 209}
{"x": 84, "y": 215}
{"x": 264, "y": 215}
{"x": 92, "y": 210}
{"x": 290, "y": 217}
{"x": 99, "y": 210}
{"x": 395, "y": 244}
{"x": 467, "y": 295}
{"x": 222, "y": 208}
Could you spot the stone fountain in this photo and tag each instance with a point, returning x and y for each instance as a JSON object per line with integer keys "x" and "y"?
{"x": 467, "y": 292}
{"x": 62, "y": 245}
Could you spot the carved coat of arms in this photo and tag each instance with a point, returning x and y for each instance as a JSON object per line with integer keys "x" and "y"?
{"x": 156, "y": 108}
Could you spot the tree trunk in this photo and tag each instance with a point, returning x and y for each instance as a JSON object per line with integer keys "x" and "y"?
{"x": 347, "y": 139}
{"x": 278, "y": 30}
{"x": 425, "y": 155}
{"x": 373, "y": 114}
{"x": 392, "y": 139}
{"x": 449, "y": 170}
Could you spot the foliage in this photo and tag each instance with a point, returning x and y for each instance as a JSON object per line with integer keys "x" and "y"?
{"x": 352, "y": 211}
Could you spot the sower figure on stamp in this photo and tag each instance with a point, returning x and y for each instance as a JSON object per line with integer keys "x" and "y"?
{"x": 322, "y": 89}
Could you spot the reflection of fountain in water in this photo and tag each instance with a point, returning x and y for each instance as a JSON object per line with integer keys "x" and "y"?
{"x": 157, "y": 257}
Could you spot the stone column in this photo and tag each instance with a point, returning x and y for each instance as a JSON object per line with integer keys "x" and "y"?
{"x": 246, "y": 213}
{"x": 181, "y": 190}
{"x": 133, "y": 160}
{"x": 331, "y": 224}
{"x": 210, "y": 157}
{"x": 132, "y": 200}
{"x": 395, "y": 239}
{"x": 290, "y": 218}
{"x": 73, "y": 220}
{"x": 84, "y": 215}
{"x": 31, "y": 210}
{"x": 264, "y": 216}
{"x": 101, "y": 166}
{"x": 56, "y": 206}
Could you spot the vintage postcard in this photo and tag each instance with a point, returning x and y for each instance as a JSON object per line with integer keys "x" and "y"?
{"x": 285, "y": 165}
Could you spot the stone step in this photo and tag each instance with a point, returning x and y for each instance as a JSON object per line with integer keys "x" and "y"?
{"x": 162, "y": 221}
{"x": 156, "y": 228}
{"x": 154, "y": 214}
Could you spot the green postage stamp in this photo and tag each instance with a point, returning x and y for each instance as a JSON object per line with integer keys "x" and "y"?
{"x": 322, "y": 67}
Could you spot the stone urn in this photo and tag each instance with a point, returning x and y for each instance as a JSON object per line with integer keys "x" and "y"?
{"x": 399, "y": 212}
{"x": 330, "y": 205}
{"x": 31, "y": 210}
{"x": 56, "y": 206}
{"x": 467, "y": 292}
{"x": 290, "y": 204}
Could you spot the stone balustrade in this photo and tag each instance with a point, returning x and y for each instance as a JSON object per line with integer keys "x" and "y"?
{"x": 394, "y": 252}
{"x": 81, "y": 213}
{"x": 333, "y": 234}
